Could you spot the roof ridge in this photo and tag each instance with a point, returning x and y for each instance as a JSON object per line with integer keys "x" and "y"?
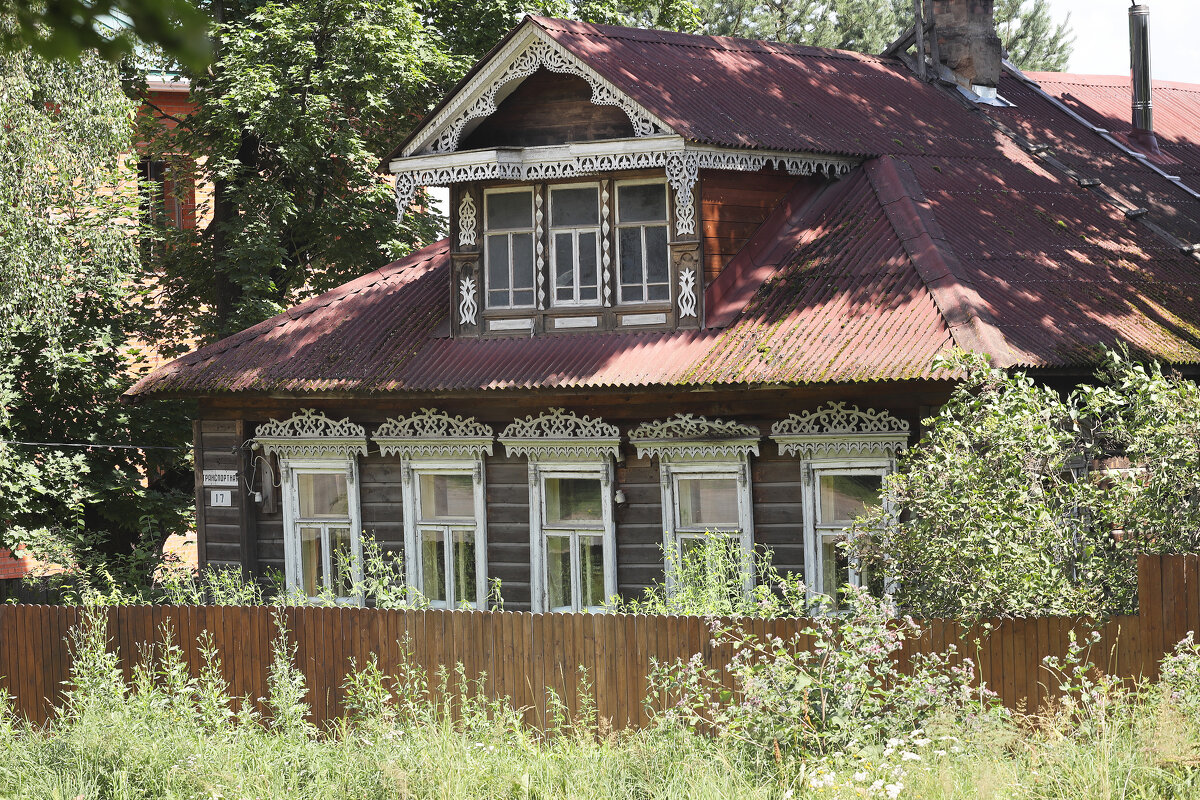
{"x": 903, "y": 201}
{"x": 709, "y": 41}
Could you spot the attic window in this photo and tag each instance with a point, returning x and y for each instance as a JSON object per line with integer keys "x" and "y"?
{"x": 575, "y": 244}
{"x": 508, "y": 228}
{"x": 642, "y": 241}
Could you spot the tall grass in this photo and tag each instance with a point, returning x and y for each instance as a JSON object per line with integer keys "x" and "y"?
{"x": 166, "y": 733}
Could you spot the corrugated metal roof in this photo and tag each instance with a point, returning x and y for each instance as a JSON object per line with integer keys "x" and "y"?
{"x": 950, "y": 234}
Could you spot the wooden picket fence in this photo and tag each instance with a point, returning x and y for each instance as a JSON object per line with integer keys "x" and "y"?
{"x": 524, "y": 657}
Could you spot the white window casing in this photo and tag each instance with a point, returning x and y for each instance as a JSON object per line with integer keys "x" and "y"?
{"x": 309, "y": 446}
{"x": 832, "y": 442}
{"x": 641, "y": 234}
{"x": 432, "y": 444}
{"x": 691, "y": 448}
{"x": 575, "y": 246}
{"x": 563, "y": 446}
{"x": 511, "y": 254}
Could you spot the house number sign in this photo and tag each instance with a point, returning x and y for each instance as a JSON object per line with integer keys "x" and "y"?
{"x": 220, "y": 477}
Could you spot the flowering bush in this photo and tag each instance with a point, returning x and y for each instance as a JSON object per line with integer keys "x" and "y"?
{"x": 834, "y": 687}
{"x": 1180, "y": 677}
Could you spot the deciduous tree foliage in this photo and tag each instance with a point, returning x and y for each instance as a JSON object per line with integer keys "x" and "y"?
{"x": 869, "y": 26}
{"x": 69, "y": 248}
{"x": 66, "y": 29}
{"x": 1020, "y": 500}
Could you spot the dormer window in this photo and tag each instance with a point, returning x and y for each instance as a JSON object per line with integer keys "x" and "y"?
{"x": 642, "y": 242}
{"x": 575, "y": 244}
{"x": 508, "y": 239}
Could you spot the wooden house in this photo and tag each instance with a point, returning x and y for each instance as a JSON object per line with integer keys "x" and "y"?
{"x": 691, "y": 284}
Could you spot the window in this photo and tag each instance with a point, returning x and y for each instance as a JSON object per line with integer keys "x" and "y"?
{"x": 327, "y": 562}
{"x": 845, "y": 453}
{"x": 642, "y": 242}
{"x": 573, "y": 524}
{"x": 705, "y": 478}
{"x": 575, "y": 244}
{"x": 572, "y": 532}
{"x": 841, "y": 495}
{"x": 318, "y": 468}
{"x": 448, "y": 572}
{"x": 508, "y": 242}
{"x": 444, "y": 504}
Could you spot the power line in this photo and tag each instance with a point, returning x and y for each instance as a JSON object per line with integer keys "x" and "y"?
{"x": 83, "y": 445}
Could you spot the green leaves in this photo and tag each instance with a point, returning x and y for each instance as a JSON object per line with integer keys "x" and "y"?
{"x": 1021, "y": 500}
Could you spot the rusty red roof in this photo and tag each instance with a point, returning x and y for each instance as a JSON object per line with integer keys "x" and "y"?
{"x": 949, "y": 234}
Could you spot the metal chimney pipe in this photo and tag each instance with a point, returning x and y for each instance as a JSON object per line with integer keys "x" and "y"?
{"x": 1139, "y": 65}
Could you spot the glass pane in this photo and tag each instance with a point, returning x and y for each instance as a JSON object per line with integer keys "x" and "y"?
{"x": 343, "y": 561}
{"x": 522, "y": 245}
{"x": 587, "y": 266}
{"x": 510, "y": 210}
{"x": 497, "y": 263}
{"x": 630, "y": 247}
{"x": 564, "y": 266}
{"x": 433, "y": 564}
{"x": 574, "y": 207}
{"x": 591, "y": 572}
{"x": 312, "y": 565}
{"x": 464, "y": 567}
{"x": 844, "y": 497}
{"x": 656, "y": 254}
{"x": 658, "y": 291}
{"x": 835, "y": 569}
{"x": 323, "y": 495}
{"x": 705, "y": 502}
{"x": 523, "y": 297}
{"x": 642, "y": 203}
{"x": 445, "y": 496}
{"x": 558, "y": 573}
{"x": 573, "y": 500}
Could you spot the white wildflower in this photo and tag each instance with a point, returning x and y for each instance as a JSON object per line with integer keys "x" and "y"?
{"x": 893, "y": 790}
{"x": 907, "y": 756}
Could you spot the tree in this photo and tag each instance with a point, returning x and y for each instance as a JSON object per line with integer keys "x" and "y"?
{"x": 69, "y": 245}
{"x": 1021, "y": 500}
{"x": 66, "y": 29}
{"x": 302, "y": 101}
{"x": 1031, "y": 38}
{"x": 869, "y": 26}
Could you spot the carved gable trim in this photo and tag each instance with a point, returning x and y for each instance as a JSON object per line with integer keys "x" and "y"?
{"x": 309, "y": 434}
{"x": 522, "y": 57}
{"x": 433, "y": 433}
{"x": 835, "y": 430}
{"x": 689, "y": 437}
{"x": 561, "y": 435}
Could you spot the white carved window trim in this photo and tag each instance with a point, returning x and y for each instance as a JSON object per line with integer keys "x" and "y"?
{"x": 312, "y": 443}
{"x": 535, "y": 242}
{"x": 432, "y": 442}
{"x": 689, "y": 446}
{"x": 541, "y": 529}
{"x": 561, "y": 444}
{"x": 836, "y": 439}
{"x": 596, "y": 229}
{"x": 665, "y": 222}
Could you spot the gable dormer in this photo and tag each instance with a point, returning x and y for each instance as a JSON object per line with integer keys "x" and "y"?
{"x": 575, "y": 207}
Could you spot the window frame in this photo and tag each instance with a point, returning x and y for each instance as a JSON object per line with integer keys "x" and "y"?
{"x": 532, "y": 190}
{"x": 616, "y": 243}
{"x": 815, "y": 531}
{"x": 575, "y": 231}
{"x": 291, "y": 469}
{"x": 413, "y": 468}
{"x": 606, "y": 529}
{"x": 673, "y": 533}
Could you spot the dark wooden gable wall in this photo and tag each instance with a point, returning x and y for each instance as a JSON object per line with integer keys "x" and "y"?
{"x": 548, "y": 108}
{"x": 732, "y": 207}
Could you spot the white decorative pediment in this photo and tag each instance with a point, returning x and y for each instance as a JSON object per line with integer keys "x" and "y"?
{"x": 836, "y": 430}
{"x": 309, "y": 434}
{"x": 433, "y": 433}
{"x": 561, "y": 435}
{"x": 524, "y": 55}
{"x": 687, "y": 436}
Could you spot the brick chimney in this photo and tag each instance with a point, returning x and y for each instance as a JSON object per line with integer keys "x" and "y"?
{"x": 967, "y": 41}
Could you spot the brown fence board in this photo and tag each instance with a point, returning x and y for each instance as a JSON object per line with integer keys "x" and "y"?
{"x": 521, "y": 657}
